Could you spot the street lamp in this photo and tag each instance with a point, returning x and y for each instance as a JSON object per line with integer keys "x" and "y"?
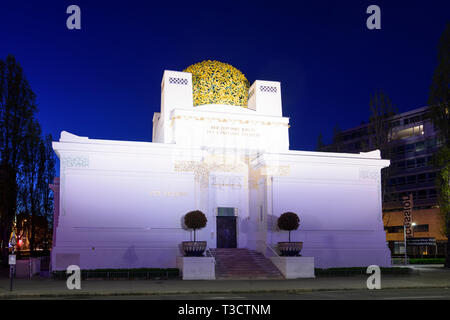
{"x": 404, "y": 239}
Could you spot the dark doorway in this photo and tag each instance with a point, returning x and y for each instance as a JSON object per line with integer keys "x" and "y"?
{"x": 226, "y": 232}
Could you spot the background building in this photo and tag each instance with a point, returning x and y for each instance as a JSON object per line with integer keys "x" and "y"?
{"x": 412, "y": 142}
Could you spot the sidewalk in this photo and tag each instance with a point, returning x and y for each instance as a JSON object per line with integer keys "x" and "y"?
{"x": 422, "y": 277}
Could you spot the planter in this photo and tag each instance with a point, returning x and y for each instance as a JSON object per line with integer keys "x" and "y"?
{"x": 193, "y": 248}
{"x": 290, "y": 249}
{"x": 197, "y": 268}
{"x": 295, "y": 267}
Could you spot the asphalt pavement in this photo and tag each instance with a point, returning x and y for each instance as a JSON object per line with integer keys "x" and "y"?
{"x": 322, "y": 287}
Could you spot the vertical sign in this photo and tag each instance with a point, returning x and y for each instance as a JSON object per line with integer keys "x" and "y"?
{"x": 407, "y": 215}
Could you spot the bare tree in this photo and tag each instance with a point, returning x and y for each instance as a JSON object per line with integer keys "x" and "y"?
{"x": 17, "y": 107}
{"x": 380, "y": 132}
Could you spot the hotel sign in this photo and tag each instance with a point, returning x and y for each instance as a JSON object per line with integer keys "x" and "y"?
{"x": 407, "y": 215}
{"x": 422, "y": 242}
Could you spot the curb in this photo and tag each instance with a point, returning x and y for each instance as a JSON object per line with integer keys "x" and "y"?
{"x": 150, "y": 293}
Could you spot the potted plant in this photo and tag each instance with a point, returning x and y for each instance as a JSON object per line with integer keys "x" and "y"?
{"x": 194, "y": 220}
{"x": 289, "y": 221}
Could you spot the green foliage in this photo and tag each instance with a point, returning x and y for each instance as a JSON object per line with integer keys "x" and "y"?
{"x": 427, "y": 260}
{"x": 195, "y": 220}
{"x": 440, "y": 115}
{"x": 288, "y": 221}
{"x": 439, "y": 91}
{"x": 442, "y": 161}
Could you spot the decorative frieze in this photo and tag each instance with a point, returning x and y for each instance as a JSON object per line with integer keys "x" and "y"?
{"x": 233, "y": 121}
{"x": 202, "y": 169}
{"x": 268, "y": 89}
{"x": 181, "y": 81}
{"x": 75, "y": 161}
{"x": 366, "y": 174}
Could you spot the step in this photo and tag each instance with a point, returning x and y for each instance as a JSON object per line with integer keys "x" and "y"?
{"x": 239, "y": 264}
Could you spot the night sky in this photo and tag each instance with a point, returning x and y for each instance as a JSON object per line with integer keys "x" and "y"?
{"x": 103, "y": 81}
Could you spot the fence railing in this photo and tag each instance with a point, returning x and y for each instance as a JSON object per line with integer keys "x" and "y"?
{"x": 209, "y": 253}
{"x": 399, "y": 260}
{"x": 272, "y": 251}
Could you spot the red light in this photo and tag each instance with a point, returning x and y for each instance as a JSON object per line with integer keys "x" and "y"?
{"x": 20, "y": 243}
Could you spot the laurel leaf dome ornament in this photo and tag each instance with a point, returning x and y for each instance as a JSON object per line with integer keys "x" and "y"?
{"x": 215, "y": 82}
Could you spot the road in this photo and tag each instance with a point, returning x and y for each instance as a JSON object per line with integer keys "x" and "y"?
{"x": 386, "y": 294}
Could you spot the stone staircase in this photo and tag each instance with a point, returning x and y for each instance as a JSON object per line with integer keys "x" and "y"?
{"x": 239, "y": 264}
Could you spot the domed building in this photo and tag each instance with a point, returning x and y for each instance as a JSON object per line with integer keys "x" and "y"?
{"x": 219, "y": 145}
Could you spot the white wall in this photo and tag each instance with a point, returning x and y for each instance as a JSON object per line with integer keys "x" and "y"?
{"x": 122, "y": 203}
{"x": 338, "y": 201}
{"x": 265, "y": 98}
{"x": 176, "y": 92}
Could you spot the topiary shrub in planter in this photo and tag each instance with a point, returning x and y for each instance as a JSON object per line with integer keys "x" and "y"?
{"x": 194, "y": 220}
{"x": 289, "y": 221}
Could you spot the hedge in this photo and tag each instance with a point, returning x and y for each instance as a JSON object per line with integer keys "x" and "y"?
{"x": 139, "y": 273}
{"x": 359, "y": 271}
{"x": 427, "y": 260}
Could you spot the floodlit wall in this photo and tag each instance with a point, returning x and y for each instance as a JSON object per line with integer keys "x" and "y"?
{"x": 338, "y": 200}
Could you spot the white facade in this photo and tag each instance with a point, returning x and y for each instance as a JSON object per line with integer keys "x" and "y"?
{"x": 121, "y": 204}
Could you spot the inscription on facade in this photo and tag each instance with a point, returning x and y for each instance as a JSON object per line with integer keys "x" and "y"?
{"x": 232, "y": 131}
{"x": 222, "y": 182}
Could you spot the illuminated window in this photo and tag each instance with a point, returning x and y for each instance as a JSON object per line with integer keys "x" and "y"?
{"x": 406, "y": 133}
{"x": 420, "y": 146}
{"x": 224, "y": 211}
{"x": 421, "y": 228}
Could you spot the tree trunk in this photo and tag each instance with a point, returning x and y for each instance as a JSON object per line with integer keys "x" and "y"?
{"x": 33, "y": 236}
{"x": 5, "y": 235}
{"x": 5, "y": 249}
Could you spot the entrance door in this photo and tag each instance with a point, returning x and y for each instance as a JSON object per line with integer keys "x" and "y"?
{"x": 226, "y": 232}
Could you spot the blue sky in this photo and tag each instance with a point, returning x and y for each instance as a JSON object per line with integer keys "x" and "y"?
{"x": 103, "y": 81}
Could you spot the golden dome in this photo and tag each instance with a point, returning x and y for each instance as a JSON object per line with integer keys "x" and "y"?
{"x": 215, "y": 82}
